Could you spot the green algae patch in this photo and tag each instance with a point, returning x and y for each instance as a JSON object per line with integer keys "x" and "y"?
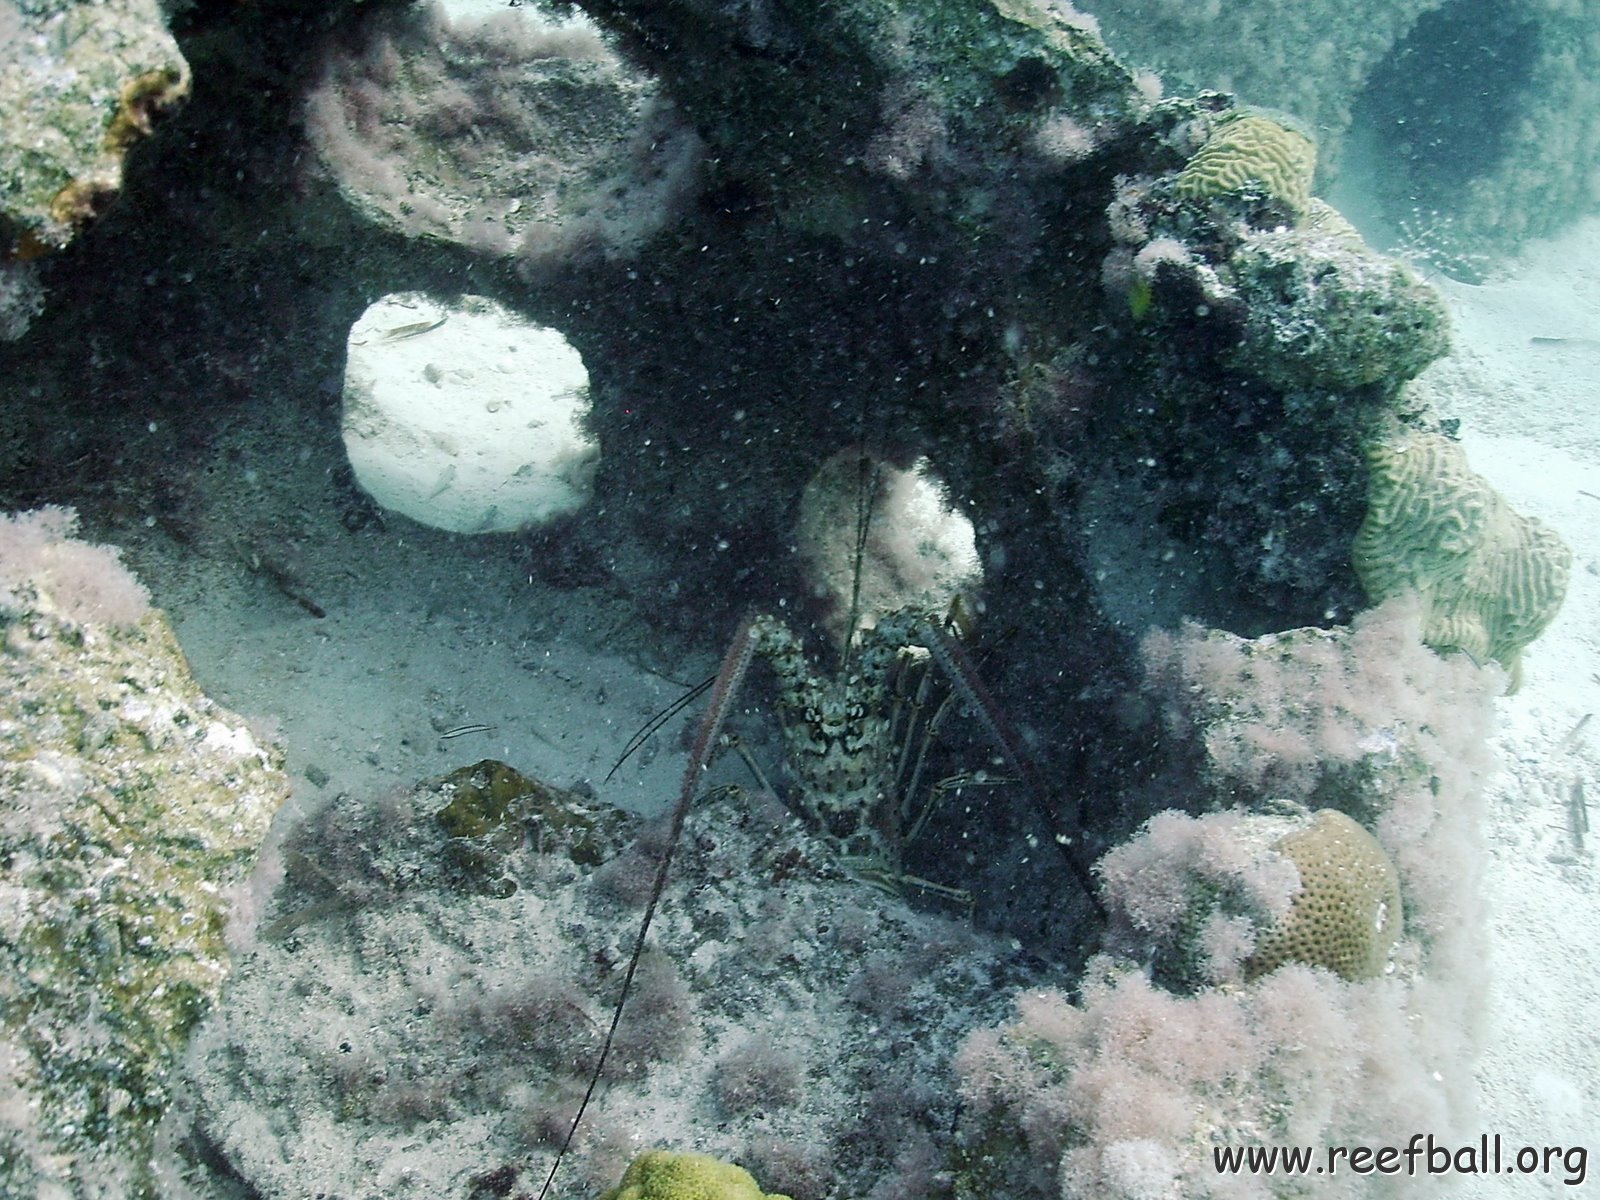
{"x": 491, "y": 809}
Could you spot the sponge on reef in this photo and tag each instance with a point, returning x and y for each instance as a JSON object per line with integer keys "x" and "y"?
{"x": 1347, "y": 914}
{"x": 1491, "y": 579}
{"x": 669, "y": 1175}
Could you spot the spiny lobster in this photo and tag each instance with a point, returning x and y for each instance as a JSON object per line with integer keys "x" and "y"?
{"x": 845, "y": 755}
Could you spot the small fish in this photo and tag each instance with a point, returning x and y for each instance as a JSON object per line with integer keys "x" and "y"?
{"x": 411, "y": 330}
{"x": 463, "y": 730}
{"x": 1592, "y": 343}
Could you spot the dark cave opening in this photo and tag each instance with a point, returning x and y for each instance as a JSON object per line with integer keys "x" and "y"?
{"x": 1441, "y": 109}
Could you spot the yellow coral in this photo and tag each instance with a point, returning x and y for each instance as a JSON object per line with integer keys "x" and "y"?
{"x": 669, "y": 1175}
{"x": 1346, "y": 916}
{"x": 1491, "y": 579}
{"x": 1247, "y": 149}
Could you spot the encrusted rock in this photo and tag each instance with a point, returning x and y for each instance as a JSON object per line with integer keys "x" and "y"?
{"x": 1323, "y": 311}
{"x": 80, "y": 83}
{"x": 464, "y": 1022}
{"x": 129, "y": 804}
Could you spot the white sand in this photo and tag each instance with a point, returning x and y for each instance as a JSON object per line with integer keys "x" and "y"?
{"x": 1531, "y": 423}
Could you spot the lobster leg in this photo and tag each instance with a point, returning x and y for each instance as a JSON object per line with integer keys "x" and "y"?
{"x": 958, "y": 665}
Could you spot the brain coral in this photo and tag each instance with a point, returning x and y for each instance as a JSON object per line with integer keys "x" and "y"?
{"x": 1251, "y": 148}
{"x": 1347, "y": 915}
{"x": 1490, "y": 579}
{"x": 668, "y": 1175}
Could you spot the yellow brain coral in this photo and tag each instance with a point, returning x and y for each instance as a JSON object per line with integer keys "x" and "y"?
{"x": 1346, "y": 916}
{"x": 1252, "y": 149}
{"x": 669, "y": 1175}
{"x": 1490, "y": 579}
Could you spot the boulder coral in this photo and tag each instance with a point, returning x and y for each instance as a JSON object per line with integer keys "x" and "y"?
{"x": 1311, "y": 60}
{"x": 667, "y": 1175}
{"x": 1228, "y": 897}
{"x": 1346, "y": 915}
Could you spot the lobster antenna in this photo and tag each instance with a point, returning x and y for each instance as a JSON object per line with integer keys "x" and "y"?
{"x": 867, "y": 474}
{"x": 734, "y": 665}
{"x": 649, "y": 729}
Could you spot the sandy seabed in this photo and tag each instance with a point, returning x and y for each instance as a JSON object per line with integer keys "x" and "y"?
{"x": 1525, "y": 382}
